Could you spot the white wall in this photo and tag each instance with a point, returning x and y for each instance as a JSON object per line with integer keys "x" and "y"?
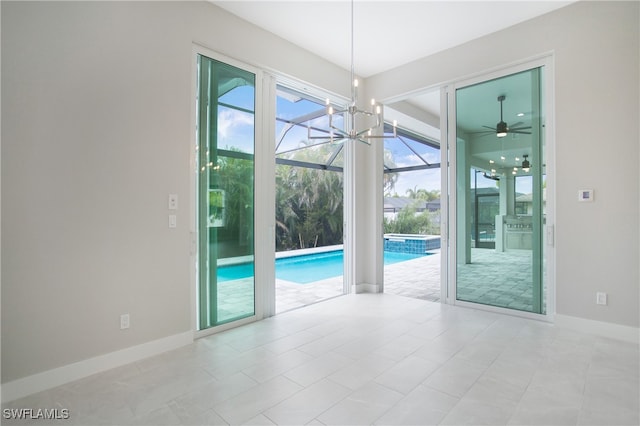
{"x": 96, "y": 112}
{"x": 595, "y": 47}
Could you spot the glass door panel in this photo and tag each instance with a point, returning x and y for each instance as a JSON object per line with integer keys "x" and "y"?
{"x": 499, "y": 197}
{"x": 486, "y": 208}
{"x": 225, "y": 195}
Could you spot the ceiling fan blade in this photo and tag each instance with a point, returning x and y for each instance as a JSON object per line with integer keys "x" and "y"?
{"x": 492, "y": 128}
{"x": 486, "y": 132}
{"x": 519, "y": 132}
{"x": 519, "y": 128}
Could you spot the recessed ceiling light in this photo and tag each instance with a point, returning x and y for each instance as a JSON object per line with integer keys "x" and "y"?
{"x": 521, "y": 114}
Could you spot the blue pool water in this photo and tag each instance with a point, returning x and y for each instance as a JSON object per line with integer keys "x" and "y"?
{"x": 307, "y": 268}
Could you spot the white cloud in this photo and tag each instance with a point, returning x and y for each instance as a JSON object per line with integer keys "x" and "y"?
{"x": 232, "y": 121}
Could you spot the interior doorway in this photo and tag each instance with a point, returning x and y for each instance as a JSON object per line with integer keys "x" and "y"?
{"x": 309, "y": 264}
{"x": 412, "y": 200}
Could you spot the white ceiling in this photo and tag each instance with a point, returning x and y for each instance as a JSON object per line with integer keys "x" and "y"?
{"x": 390, "y": 33}
{"x": 387, "y": 33}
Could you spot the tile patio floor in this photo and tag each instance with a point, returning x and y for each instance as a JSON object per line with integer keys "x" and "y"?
{"x": 501, "y": 279}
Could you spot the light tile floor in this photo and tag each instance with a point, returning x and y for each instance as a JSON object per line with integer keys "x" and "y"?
{"x": 368, "y": 359}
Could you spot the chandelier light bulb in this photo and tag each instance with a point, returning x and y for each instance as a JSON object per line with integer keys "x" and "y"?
{"x": 373, "y": 115}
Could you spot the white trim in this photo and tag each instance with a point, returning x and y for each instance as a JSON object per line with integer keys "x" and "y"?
{"x": 198, "y": 334}
{"x": 366, "y": 288}
{"x": 264, "y": 201}
{"x": 599, "y": 328}
{"x": 446, "y": 166}
{"x": 193, "y": 192}
{"x": 81, "y": 369}
{"x": 349, "y": 218}
{"x": 452, "y": 202}
{"x": 504, "y": 311}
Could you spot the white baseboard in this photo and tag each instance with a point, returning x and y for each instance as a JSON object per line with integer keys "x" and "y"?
{"x": 78, "y": 370}
{"x": 366, "y": 288}
{"x": 599, "y": 328}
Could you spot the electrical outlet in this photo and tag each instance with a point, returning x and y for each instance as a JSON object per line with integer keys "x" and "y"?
{"x": 601, "y": 298}
{"x": 124, "y": 321}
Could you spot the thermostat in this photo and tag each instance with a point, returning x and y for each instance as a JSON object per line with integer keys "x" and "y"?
{"x": 585, "y": 195}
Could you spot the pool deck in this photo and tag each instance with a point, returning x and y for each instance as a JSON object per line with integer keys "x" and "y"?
{"x": 416, "y": 278}
{"x": 501, "y": 279}
{"x": 494, "y": 278}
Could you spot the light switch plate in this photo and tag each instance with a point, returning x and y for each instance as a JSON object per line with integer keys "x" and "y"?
{"x": 601, "y": 298}
{"x": 585, "y": 195}
{"x": 173, "y": 201}
{"x": 173, "y": 221}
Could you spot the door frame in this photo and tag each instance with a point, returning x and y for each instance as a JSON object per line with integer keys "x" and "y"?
{"x": 450, "y": 186}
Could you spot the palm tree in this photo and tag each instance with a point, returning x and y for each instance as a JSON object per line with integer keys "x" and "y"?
{"x": 308, "y": 202}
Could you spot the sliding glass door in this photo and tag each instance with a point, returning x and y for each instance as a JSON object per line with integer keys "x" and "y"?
{"x": 225, "y": 192}
{"x": 500, "y": 197}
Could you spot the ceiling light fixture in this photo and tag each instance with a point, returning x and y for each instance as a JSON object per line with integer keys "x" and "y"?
{"x": 376, "y": 131}
{"x": 525, "y": 164}
{"x": 501, "y": 127}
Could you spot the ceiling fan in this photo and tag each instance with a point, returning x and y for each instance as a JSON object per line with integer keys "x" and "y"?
{"x": 502, "y": 129}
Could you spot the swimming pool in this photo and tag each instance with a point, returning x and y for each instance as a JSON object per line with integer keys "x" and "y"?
{"x": 307, "y": 268}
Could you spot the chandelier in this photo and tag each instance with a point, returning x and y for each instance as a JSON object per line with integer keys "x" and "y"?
{"x": 350, "y": 132}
